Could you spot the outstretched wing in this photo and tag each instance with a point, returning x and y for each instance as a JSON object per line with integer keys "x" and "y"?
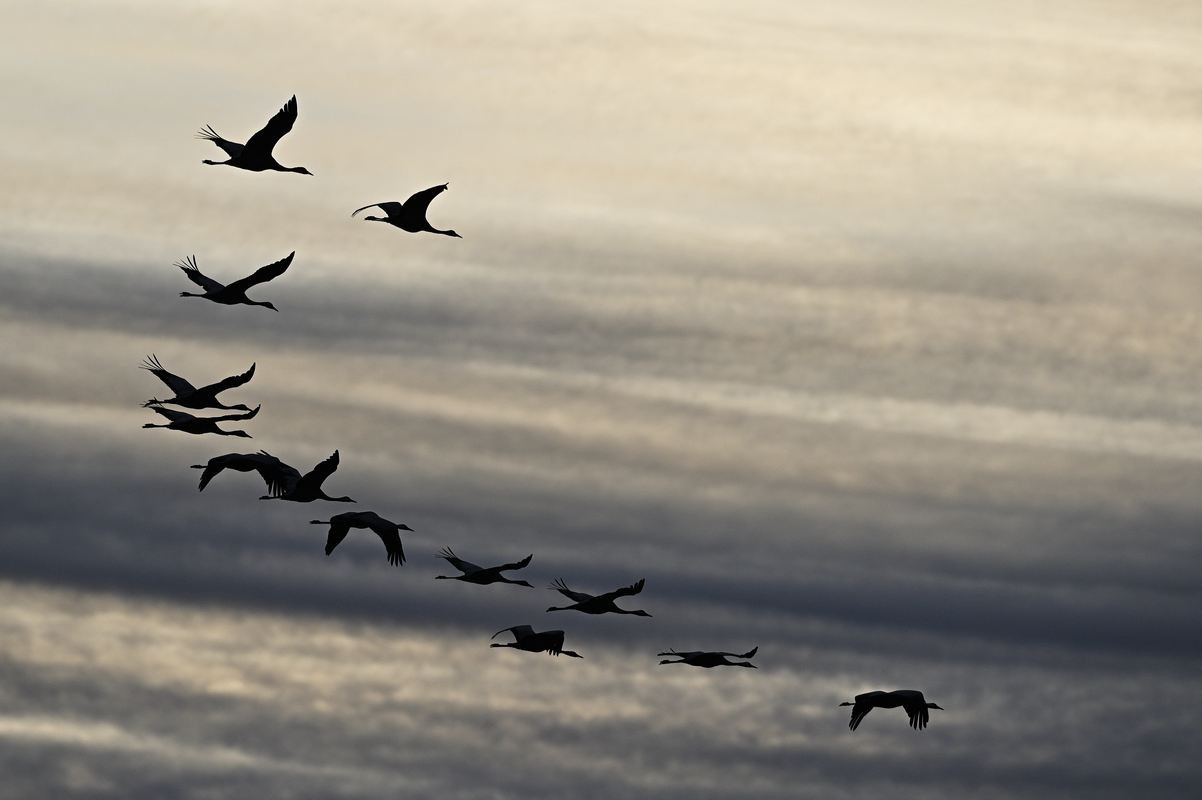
{"x": 390, "y": 208}
{"x": 858, "y": 712}
{"x": 230, "y": 382}
{"x": 324, "y": 469}
{"x": 232, "y": 417}
{"x": 625, "y": 591}
{"x": 232, "y": 149}
{"x": 263, "y": 274}
{"x": 563, "y": 589}
{"x": 553, "y": 641}
{"x": 917, "y": 711}
{"x": 391, "y": 537}
{"x": 458, "y": 563}
{"x": 174, "y": 382}
{"x": 419, "y": 203}
{"x": 265, "y": 140}
{"x": 279, "y": 477}
{"x": 194, "y": 274}
{"x": 172, "y": 414}
{"x": 749, "y": 654}
{"x": 525, "y": 562}
{"x": 238, "y": 461}
{"x": 519, "y": 632}
{"x": 338, "y": 530}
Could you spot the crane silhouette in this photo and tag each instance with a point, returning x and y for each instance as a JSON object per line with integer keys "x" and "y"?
{"x": 709, "y": 659}
{"x": 473, "y": 573}
{"x": 189, "y": 396}
{"x": 598, "y": 604}
{"x": 388, "y": 531}
{"x": 915, "y": 705}
{"x": 284, "y": 482}
{"x": 542, "y": 642}
{"x": 183, "y": 421}
{"x": 411, "y": 215}
{"x": 235, "y": 293}
{"x": 256, "y": 155}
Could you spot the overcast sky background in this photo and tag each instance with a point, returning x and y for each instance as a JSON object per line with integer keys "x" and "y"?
{"x": 867, "y": 332}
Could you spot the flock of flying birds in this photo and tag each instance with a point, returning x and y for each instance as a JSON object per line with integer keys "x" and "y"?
{"x": 285, "y": 482}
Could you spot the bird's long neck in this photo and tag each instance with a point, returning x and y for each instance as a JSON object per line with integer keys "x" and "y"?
{"x": 190, "y": 294}
{"x": 214, "y": 163}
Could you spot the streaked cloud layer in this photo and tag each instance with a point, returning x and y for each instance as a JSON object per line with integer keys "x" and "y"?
{"x": 867, "y": 335}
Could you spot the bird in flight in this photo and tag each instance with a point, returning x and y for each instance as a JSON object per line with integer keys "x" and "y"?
{"x": 235, "y": 293}
{"x": 256, "y": 155}
{"x": 410, "y": 215}
{"x": 284, "y": 482}
{"x": 915, "y": 705}
{"x": 542, "y": 642}
{"x": 473, "y": 573}
{"x": 707, "y": 659}
{"x": 598, "y": 604}
{"x": 183, "y": 421}
{"x": 388, "y": 531}
{"x": 189, "y": 396}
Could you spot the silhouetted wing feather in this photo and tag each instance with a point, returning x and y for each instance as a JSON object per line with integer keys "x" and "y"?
{"x": 324, "y": 469}
{"x": 279, "y": 477}
{"x": 563, "y": 589}
{"x": 519, "y": 632}
{"x": 232, "y": 149}
{"x": 625, "y": 591}
{"x": 419, "y": 203}
{"x": 172, "y": 414}
{"x": 457, "y": 562}
{"x": 525, "y": 562}
{"x": 338, "y": 531}
{"x": 194, "y": 274}
{"x": 858, "y": 712}
{"x": 174, "y": 382}
{"x": 554, "y": 642}
{"x": 265, "y": 140}
{"x": 390, "y": 208}
{"x": 391, "y": 538}
{"x": 230, "y": 382}
{"x": 918, "y": 714}
{"x": 263, "y": 274}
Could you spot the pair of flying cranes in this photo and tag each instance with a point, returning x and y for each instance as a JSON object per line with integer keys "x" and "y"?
{"x": 285, "y": 482}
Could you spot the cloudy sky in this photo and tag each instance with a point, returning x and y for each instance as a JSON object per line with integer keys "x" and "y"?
{"x": 867, "y": 332}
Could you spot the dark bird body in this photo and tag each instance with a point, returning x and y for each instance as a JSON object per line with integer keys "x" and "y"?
{"x": 189, "y": 396}
{"x": 284, "y": 482}
{"x": 232, "y": 294}
{"x": 183, "y": 421}
{"x": 708, "y": 659}
{"x": 598, "y": 604}
{"x": 542, "y": 642}
{"x": 411, "y": 215}
{"x": 473, "y": 573}
{"x": 388, "y": 531}
{"x": 916, "y": 706}
{"x": 256, "y": 155}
